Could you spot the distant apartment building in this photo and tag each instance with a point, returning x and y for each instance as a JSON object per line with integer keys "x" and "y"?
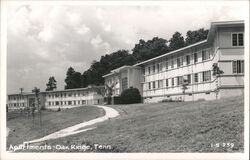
{"x": 59, "y": 98}
{"x": 163, "y": 77}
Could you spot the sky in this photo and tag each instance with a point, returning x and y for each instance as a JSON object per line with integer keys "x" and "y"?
{"x": 45, "y": 40}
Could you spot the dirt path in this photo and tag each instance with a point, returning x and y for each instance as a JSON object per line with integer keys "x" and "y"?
{"x": 109, "y": 113}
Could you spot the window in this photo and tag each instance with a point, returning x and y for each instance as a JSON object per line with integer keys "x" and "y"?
{"x": 149, "y": 85}
{"x": 83, "y": 102}
{"x": 153, "y": 68}
{"x": 188, "y": 59}
{"x": 206, "y": 76}
{"x": 205, "y": 55}
{"x": 124, "y": 83}
{"x": 172, "y": 64}
{"x": 158, "y": 67}
{"x": 57, "y": 103}
{"x": 237, "y": 39}
{"x": 187, "y": 78}
{"x": 160, "y": 84}
{"x": 179, "y": 80}
{"x": 172, "y": 81}
{"x": 195, "y": 57}
{"x": 238, "y": 66}
{"x": 167, "y": 65}
{"x": 196, "y": 79}
{"x": 166, "y": 82}
{"x": 153, "y": 84}
{"x": 179, "y": 61}
{"x": 69, "y": 102}
{"x": 143, "y": 71}
{"x": 149, "y": 70}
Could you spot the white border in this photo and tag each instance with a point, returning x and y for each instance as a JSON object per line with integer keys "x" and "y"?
{"x": 110, "y": 156}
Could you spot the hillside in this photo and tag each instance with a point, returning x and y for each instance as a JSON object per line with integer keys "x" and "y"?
{"x": 169, "y": 127}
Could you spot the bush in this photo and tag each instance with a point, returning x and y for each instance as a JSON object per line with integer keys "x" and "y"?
{"x": 131, "y": 95}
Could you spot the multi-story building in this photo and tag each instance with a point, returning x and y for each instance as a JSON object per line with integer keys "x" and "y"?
{"x": 58, "y": 98}
{"x": 193, "y": 68}
{"x": 122, "y": 78}
{"x": 22, "y": 100}
{"x": 73, "y": 97}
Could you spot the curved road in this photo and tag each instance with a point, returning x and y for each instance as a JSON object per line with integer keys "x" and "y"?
{"x": 109, "y": 113}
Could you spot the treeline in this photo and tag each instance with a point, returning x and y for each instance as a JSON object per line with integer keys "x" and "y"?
{"x": 142, "y": 51}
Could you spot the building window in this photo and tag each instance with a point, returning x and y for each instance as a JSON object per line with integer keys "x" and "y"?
{"x": 167, "y": 65}
{"x": 179, "y": 80}
{"x": 195, "y": 57}
{"x": 153, "y": 84}
{"x": 143, "y": 71}
{"x": 172, "y": 64}
{"x": 69, "y": 102}
{"x": 149, "y": 85}
{"x": 158, "y": 67}
{"x": 238, "y": 66}
{"x": 172, "y": 81}
{"x": 187, "y": 78}
{"x": 160, "y": 84}
{"x": 166, "y": 82}
{"x": 149, "y": 70}
{"x": 205, "y": 55}
{"x": 196, "y": 78}
{"x": 206, "y": 76}
{"x": 83, "y": 102}
{"x": 237, "y": 39}
{"x": 57, "y": 103}
{"x": 188, "y": 59}
{"x": 124, "y": 83}
{"x": 179, "y": 61}
{"x": 153, "y": 68}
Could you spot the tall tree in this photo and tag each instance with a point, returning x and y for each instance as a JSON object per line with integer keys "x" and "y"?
{"x": 51, "y": 85}
{"x": 196, "y": 36}
{"x": 152, "y": 48}
{"x": 176, "y": 42}
{"x": 73, "y": 79}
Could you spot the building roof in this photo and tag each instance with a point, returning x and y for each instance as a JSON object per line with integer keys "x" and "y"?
{"x": 211, "y": 33}
{"x": 75, "y": 89}
{"x": 66, "y": 90}
{"x": 117, "y": 70}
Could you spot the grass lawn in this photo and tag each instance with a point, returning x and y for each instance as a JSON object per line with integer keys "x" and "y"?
{"x": 23, "y": 128}
{"x": 166, "y": 127}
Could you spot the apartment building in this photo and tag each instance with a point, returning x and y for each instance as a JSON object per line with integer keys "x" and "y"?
{"x": 190, "y": 73}
{"x": 123, "y": 78}
{"x": 58, "y": 98}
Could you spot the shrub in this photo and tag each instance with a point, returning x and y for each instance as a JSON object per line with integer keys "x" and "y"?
{"x": 130, "y": 95}
{"x": 59, "y": 109}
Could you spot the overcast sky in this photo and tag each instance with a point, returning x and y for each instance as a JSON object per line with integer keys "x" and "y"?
{"x": 44, "y": 40}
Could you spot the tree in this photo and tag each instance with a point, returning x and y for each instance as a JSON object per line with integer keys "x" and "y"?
{"x": 195, "y": 36}
{"x": 176, "y": 42}
{"x": 107, "y": 63}
{"x": 130, "y": 96}
{"x": 152, "y": 48}
{"x": 73, "y": 79}
{"x": 51, "y": 85}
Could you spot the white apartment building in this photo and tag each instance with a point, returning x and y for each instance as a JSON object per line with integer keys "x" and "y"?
{"x": 162, "y": 77}
{"x": 58, "y": 98}
{"x": 123, "y": 78}
{"x": 73, "y": 97}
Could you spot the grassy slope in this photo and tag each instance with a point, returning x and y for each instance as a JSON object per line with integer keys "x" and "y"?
{"x": 23, "y": 129}
{"x": 169, "y": 127}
